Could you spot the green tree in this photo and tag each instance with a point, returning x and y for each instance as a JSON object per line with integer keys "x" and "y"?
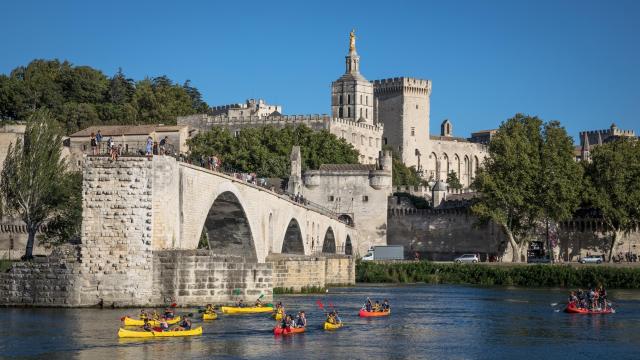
{"x": 509, "y": 180}
{"x": 452, "y": 181}
{"x": 561, "y": 182}
{"x": 66, "y": 220}
{"x": 613, "y": 186}
{"x": 266, "y": 150}
{"x": 401, "y": 174}
{"x": 32, "y": 171}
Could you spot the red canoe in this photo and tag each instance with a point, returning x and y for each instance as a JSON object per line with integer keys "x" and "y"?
{"x": 364, "y": 313}
{"x": 572, "y": 309}
{"x": 278, "y": 330}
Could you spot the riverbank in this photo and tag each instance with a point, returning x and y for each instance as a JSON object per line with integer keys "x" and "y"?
{"x": 508, "y": 275}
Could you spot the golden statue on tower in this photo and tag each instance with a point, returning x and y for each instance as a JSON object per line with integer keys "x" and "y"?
{"x": 352, "y": 40}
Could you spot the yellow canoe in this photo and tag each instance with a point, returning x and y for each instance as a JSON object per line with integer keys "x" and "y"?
{"x": 209, "y": 316}
{"x": 124, "y": 333}
{"x": 330, "y": 326}
{"x": 138, "y": 322}
{"x": 246, "y": 310}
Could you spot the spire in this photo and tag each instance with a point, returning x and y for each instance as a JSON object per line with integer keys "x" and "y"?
{"x": 352, "y": 60}
{"x": 599, "y": 138}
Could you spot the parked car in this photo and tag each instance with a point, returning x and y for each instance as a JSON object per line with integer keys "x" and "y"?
{"x": 467, "y": 258}
{"x": 591, "y": 259}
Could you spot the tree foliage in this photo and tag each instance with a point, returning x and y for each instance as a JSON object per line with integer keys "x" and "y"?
{"x": 80, "y": 96}
{"x": 32, "y": 173}
{"x": 613, "y": 186}
{"x": 266, "y": 150}
{"x": 402, "y": 174}
{"x": 66, "y": 220}
{"x": 529, "y": 176}
{"x": 452, "y": 181}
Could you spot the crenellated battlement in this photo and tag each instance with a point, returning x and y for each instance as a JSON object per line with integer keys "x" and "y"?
{"x": 402, "y": 85}
{"x": 204, "y": 121}
{"x": 377, "y": 127}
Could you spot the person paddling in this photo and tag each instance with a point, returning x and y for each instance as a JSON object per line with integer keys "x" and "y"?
{"x": 367, "y": 305}
{"x": 164, "y": 326}
{"x": 385, "y": 305}
{"x": 185, "y": 324}
{"x": 147, "y": 325}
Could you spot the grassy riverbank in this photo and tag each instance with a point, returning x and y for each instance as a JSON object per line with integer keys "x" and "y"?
{"x": 510, "y": 275}
{"x": 303, "y": 290}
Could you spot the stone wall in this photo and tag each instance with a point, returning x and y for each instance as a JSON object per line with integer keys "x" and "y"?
{"x": 290, "y": 271}
{"x": 443, "y": 234}
{"x": 197, "y": 277}
{"x": 45, "y": 281}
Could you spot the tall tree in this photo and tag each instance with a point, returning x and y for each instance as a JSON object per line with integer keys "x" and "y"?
{"x": 31, "y": 174}
{"x": 561, "y": 177}
{"x": 613, "y": 186}
{"x": 509, "y": 180}
{"x": 66, "y": 219}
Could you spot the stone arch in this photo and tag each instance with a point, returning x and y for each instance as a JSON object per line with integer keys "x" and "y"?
{"x": 346, "y": 218}
{"x": 432, "y": 166}
{"x": 227, "y": 227}
{"x": 456, "y": 165}
{"x": 444, "y": 168}
{"x": 292, "y": 242}
{"x": 476, "y": 164}
{"x": 329, "y": 243}
{"x": 465, "y": 171}
{"x": 348, "y": 247}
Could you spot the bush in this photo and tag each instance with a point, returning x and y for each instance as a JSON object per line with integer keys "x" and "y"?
{"x": 505, "y": 275}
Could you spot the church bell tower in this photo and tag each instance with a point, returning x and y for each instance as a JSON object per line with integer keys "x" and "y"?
{"x": 352, "y": 94}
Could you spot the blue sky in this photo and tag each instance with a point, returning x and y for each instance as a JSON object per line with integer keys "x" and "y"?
{"x": 573, "y": 61}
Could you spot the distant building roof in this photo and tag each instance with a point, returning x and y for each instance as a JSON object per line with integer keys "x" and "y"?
{"x": 347, "y": 167}
{"x": 118, "y": 130}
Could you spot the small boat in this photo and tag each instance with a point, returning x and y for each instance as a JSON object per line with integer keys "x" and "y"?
{"x": 365, "y": 313}
{"x": 139, "y": 322}
{"x": 330, "y": 326}
{"x": 573, "y": 309}
{"x": 246, "y": 310}
{"x": 124, "y": 333}
{"x": 278, "y": 330}
{"x": 209, "y": 316}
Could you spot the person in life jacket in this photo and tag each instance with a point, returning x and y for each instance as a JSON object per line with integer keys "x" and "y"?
{"x": 259, "y": 303}
{"x": 168, "y": 313}
{"x": 147, "y": 325}
{"x": 164, "y": 326}
{"x": 143, "y": 315}
{"x": 376, "y": 307}
{"x": 331, "y": 318}
{"x": 367, "y": 305}
{"x": 385, "y": 305}
{"x": 185, "y": 324}
{"x": 209, "y": 309}
{"x": 240, "y": 304}
{"x": 301, "y": 320}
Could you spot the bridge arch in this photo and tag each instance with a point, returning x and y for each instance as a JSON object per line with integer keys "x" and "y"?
{"x": 348, "y": 247}
{"x": 292, "y": 242}
{"x": 227, "y": 227}
{"x": 329, "y": 242}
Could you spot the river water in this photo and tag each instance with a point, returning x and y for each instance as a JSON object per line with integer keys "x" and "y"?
{"x": 427, "y": 322}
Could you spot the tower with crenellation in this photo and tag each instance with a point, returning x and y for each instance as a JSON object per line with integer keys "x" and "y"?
{"x": 403, "y": 106}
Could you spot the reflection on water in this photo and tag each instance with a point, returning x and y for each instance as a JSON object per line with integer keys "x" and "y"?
{"x": 428, "y": 321}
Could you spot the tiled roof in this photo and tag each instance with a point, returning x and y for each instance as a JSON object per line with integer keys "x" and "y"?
{"x": 116, "y": 130}
{"x": 347, "y": 167}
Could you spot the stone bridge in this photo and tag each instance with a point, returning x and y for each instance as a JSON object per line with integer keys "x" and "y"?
{"x": 236, "y": 217}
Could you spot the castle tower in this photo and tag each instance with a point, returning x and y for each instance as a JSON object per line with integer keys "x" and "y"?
{"x": 352, "y": 94}
{"x": 446, "y": 128}
{"x": 585, "y": 153}
{"x": 403, "y": 106}
{"x": 439, "y": 193}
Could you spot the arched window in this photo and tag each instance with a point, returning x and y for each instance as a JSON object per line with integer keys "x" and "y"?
{"x": 340, "y": 113}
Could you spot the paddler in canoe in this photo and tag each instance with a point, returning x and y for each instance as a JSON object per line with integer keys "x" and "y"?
{"x": 278, "y": 314}
{"x": 333, "y": 318}
{"x": 185, "y": 324}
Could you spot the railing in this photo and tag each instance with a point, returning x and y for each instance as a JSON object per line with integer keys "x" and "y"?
{"x": 130, "y": 148}
{"x": 253, "y": 179}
